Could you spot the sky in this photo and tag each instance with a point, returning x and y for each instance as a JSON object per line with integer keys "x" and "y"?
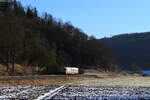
{"x": 100, "y": 18}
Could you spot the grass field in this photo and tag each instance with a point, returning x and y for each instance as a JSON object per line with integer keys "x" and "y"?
{"x": 58, "y": 80}
{"x": 131, "y": 81}
{"x": 102, "y": 79}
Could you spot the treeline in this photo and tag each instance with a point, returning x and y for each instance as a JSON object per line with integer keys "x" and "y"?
{"x": 131, "y": 50}
{"x": 32, "y": 40}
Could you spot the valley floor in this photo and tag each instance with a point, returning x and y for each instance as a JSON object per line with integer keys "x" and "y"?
{"x": 99, "y": 86}
{"x": 77, "y": 80}
{"x": 74, "y": 93}
{"x": 132, "y": 81}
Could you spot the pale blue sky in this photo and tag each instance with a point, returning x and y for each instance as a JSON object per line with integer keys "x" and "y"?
{"x": 101, "y": 18}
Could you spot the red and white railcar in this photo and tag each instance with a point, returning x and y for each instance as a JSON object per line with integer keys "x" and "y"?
{"x": 72, "y": 70}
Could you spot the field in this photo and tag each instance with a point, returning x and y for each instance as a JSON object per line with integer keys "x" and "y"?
{"x": 103, "y": 93}
{"x": 90, "y": 78}
{"x": 93, "y": 85}
{"x": 135, "y": 81}
{"x": 24, "y": 92}
{"x": 49, "y": 92}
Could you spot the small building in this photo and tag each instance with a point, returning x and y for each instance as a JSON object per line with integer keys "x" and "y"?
{"x": 72, "y": 70}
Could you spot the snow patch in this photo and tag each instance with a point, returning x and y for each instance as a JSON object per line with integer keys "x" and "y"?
{"x": 50, "y": 94}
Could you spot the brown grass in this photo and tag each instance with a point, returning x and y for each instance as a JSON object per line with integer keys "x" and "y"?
{"x": 20, "y": 70}
{"x": 102, "y": 79}
{"x": 48, "y": 81}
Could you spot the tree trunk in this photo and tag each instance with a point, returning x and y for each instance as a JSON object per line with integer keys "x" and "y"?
{"x": 13, "y": 63}
{"x": 8, "y": 63}
{"x": 7, "y": 67}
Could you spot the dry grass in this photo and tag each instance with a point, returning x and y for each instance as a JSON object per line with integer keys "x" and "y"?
{"x": 118, "y": 80}
{"x": 19, "y": 70}
{"x": 103, "y": 74}
{"x": 102, "y": 79}
{"x": 133, "y": 81}
{"x": 87, "y": 81}
{"x": 48, "y": 81}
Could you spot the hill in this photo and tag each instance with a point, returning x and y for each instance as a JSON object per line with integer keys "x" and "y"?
{"x": 131, "y": 49}
{"x": 29, "y": 39}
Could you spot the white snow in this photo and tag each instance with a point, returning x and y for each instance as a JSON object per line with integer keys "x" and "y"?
{"x": 74, "y": 93}
{"x": 103, "y": 93}
{"x": 23, "y": 92}
{"x": 50, "y": 94}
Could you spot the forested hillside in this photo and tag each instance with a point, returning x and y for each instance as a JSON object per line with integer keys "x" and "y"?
{"x": 131, "y": 49}
{"x": 32, "y": 40}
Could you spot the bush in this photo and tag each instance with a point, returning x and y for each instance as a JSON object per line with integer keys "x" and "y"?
{"x": 81, "y": 71}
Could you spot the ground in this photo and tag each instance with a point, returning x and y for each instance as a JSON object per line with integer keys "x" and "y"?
{"x": 93, "y": 84}
{"x": 135, "y": 81}
{"x": 102, "y": 93}
{"x": 90, "y": 78}
{"x": 24, "y": 92}
{"x": 44, "y": 92}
